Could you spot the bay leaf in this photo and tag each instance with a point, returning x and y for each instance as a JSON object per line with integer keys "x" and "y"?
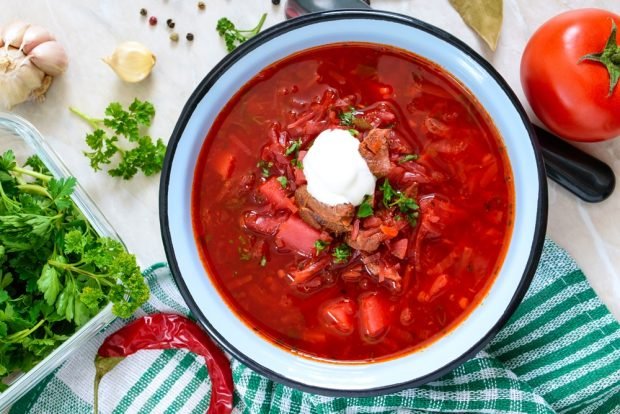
{"x": 484, "y": 16}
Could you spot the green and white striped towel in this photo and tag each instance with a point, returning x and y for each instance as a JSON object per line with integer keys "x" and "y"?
{"x": 560, "y": 352}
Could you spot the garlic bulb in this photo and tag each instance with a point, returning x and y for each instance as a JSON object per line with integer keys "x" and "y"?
{"x": 132, "y": 61}
{"x": 18, "y": 78}
{"x": 29, "y": 60}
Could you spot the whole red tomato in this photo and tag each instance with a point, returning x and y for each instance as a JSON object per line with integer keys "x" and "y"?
{"x": 572, "y": 96}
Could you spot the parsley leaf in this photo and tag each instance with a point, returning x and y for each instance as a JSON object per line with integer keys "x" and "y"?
{"x": 137, "y": 153}
{"x": 265, "y": 167}
{"x": 341, "y": 253}
{"x": 346, "y": 118}
{"x": 296, "y": 163}
{"x": 233, "y": 36}
{"x": 388, "y": 192}
{"x": 320, "y": 245}
{"x": 60, "y": 191}
{"x": 293, "y": 148}
{"x": 365, "y": 209}
{"x": 392, "y": 198}
{"x": 282, "y": 180}
{"x": 408, "y": 157}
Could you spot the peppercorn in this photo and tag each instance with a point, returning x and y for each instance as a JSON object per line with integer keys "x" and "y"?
{"x": 174, "y": 37}
{"x": 152, "y": 20}
{"x": 201, "y": 5}
{"x": 143, "y": 12}
{"x": 275, "y": 2}
{"x": 170, "y": 23}
{"x": 189, "y": 37}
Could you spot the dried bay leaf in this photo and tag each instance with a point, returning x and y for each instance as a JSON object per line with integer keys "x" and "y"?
{"x": 484, "y": 16}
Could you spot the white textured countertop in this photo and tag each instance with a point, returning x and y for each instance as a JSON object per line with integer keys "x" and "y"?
{"x": 90, "y": 30}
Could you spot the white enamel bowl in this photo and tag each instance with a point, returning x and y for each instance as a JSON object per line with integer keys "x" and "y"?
{"x": 353, "y": 26}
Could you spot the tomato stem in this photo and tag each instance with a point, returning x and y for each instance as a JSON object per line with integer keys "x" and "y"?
{"x": 609, "y": 57}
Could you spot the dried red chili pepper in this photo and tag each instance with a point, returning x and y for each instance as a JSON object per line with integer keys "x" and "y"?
{"x": 168, "y": 331}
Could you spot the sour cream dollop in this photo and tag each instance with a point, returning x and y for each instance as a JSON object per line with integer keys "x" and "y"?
{"x": 335, "y": 170}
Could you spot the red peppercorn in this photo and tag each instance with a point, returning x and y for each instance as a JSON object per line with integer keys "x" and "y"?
{"x": 152, "y": 20}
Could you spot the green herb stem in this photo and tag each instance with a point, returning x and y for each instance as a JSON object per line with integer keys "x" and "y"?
{"x": 43, "y": 177}
{"x": 35, "y": 189}
{"x": 17, "y": 336}
{"x": 258, "y": 26}
{"x": 73, "y": 268}
{"x": 93, "y": 122}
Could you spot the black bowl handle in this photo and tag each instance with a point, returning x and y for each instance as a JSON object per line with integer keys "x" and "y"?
{"x": 580, "y": 173}
{"x": 295, "y": 8}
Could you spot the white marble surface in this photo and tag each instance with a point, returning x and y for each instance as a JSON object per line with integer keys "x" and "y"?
{"x": 91, "y": 29}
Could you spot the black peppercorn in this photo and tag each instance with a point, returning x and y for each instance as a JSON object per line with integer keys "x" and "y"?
{"x": 170, "y": 23}
{"x": 189, "y": 37}
{"x": 275, "y": 2}
{"x": 143, "y": 12}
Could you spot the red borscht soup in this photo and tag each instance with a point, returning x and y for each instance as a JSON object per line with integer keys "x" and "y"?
{"x": 353, "y": 281}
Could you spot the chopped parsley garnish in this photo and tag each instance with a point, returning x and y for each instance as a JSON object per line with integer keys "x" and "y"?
{"x": 365, "y": 209}
{"x": 296, "y": 163}
{"x": 354, "y": 132}
{"x": 341, "y": 253}
{"x": 388, "y": 193}
{"x": 406, "y": 205}
{"x": 265, "y": 167}
{"x": 320, "y": 245}
{"x": 282, "y": 180}
{"x": 408, "y": 157}
{"x": 346, "y": 118}
{"x": 293, "y": 148}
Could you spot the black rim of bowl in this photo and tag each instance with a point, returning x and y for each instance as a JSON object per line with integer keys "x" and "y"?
{"x": 278, "y": 30}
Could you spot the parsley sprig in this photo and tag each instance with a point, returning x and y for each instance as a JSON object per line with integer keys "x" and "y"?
{"x": 233, "y": 36}
{"x": 55, "y": 270}
{"x": 365, "y": 209}
{"x": 394, "y": 198}
{"x": 320, "y": 245}
{"x": 341, "y": 253}
{"x": 347, "y": 117}
{"x": 137, "y": 152}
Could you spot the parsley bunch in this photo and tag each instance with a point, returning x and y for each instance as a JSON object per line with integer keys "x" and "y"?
{"x": 55, "y": 271}
{"x": 233, "y": 36}
{"x": 137, "y": 153}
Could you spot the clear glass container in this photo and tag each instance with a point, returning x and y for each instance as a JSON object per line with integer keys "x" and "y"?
{"x": 23, "y": 138}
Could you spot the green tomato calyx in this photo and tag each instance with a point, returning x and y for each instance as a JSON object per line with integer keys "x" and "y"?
{"x": 610, "y": 57}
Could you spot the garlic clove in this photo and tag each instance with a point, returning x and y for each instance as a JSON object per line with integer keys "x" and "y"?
{"x": 132, "y": 61}
{"x": 50, "y": 57}
{"x": 33, "y": 37}
{"x": 17, "y": 85}
{"x": 14, "y": 33}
